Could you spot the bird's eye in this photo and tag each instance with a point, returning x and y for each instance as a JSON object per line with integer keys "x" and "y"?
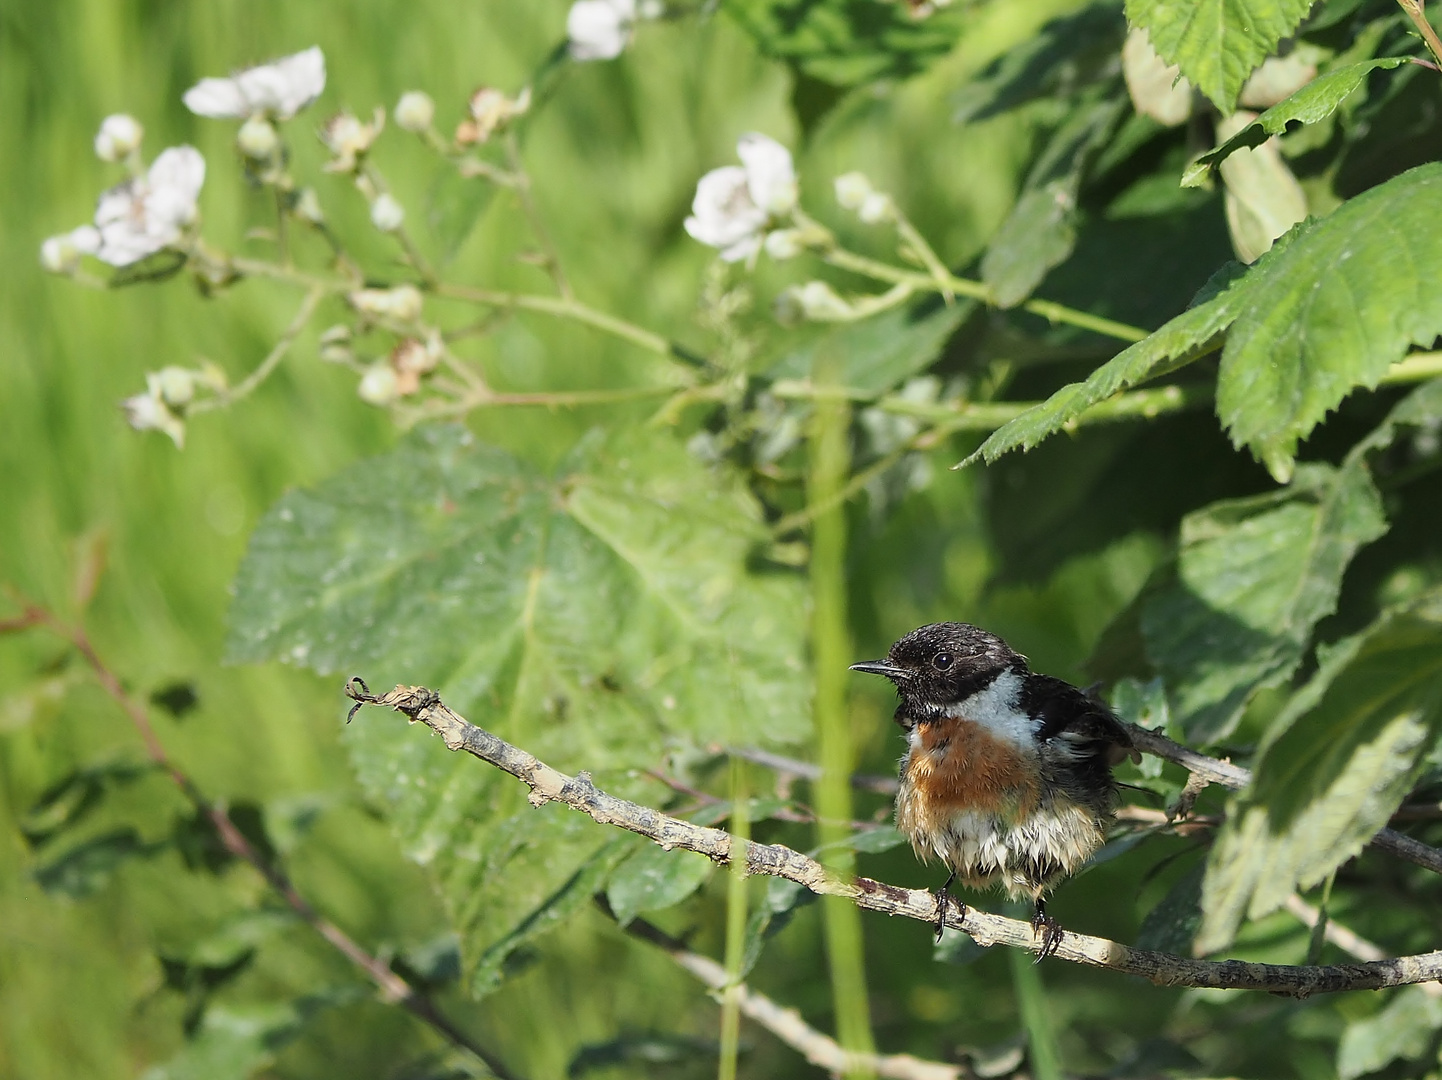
{"x": 942, "y": 661}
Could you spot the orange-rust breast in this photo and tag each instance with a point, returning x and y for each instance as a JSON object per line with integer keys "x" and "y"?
{"x": 958, "y": 765}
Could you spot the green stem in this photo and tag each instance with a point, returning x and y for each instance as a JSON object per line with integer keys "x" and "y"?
{"x": 735, "y": 927}
{"x": 1035, "y": 1019}
{"x": 1052, "y": 312}
{"x": 1414, "y": 11}
{"x": 841, "y": 920}
{"x": 272, "y": 360}
{"x": 567, "y": 309}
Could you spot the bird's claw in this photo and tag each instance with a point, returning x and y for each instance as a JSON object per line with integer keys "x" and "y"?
{"x": 1049, "y": 930}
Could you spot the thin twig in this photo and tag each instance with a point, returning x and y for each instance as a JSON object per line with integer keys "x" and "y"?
{"x": 393, "y": 988}
{"x": 1236, "y": 777}
{"x": 272, "y": 360}
{"x": 1414, "y": 11}
{"x": 787, "y": 1024}
{"x": 1047, "y": 309}
{"x": 1349, "y": 941}
{"x": 522, "y": 185}
{"x": 579, "y": 793}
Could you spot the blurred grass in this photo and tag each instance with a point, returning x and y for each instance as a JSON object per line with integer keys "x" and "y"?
{"x": 615, "y": 158}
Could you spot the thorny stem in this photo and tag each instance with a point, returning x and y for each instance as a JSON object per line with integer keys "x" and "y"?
{"x": 1414, "y": 10}
{"x": 393, "y": 988}
{"x": 581, "y": 794}
{"x": 1052, "y": 312}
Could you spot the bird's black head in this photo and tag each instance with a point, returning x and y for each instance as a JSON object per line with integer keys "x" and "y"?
{"x": 941, "y": 664}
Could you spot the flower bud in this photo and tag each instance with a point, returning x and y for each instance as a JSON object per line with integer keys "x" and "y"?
{"x": 118, "y": 138}
{"x": 852, "y": 189}
{"x": 257, "y": 139}
{"x": 415, "y": 111}
{"x": 378, "y": 384}
{"x": 785, "y": 243}
{"x": 335, "y": 345}
{"x": 418, "y": 357}
{"x": 491, "y": 111}
{"x": 173, "y": 385}
{"x": 814, "y": 300}
{"x": 387, "y": 214}
{"x": 148, "y": 412}
{"x": 349, "y": 138}
{"x": 307, "y": 207}
{"x": 876, "y": 208}
{"x": 402, "y": 303}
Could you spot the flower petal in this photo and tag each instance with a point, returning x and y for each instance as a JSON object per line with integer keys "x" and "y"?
{"x": 769, "y": 173}
{"x": 599, "y": 29}
{"x": 722, "y": 211}
{"x": 219, "y": 99}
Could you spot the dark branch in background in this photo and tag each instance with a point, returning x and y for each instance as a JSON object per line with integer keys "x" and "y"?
{"x": 393, "y": 988}
{"x": 579, "y": 793}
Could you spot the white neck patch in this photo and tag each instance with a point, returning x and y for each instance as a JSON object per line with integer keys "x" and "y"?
{"x": 997, "y": 709}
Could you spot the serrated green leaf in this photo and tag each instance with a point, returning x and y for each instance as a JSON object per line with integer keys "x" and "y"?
{"x": 1403, "y": 1030}
{"x": 1315, "y": 101}
{"x": 1254, "y": 576}
{"x": 652, "y": 879}
{"x": 1187, "y": 337}
{"x": 1337, "y": 762}
{"x": 876, "y": 354}
{"x": 1217, "y": 43}
{"x": 586, "y": 615}
{"x": 1305, "y": 340}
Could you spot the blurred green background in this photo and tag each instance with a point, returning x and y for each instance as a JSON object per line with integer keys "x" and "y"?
{"x": 615, "y": 156}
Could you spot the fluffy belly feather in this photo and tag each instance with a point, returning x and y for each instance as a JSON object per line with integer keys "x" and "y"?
{"x": 977, "y": 802}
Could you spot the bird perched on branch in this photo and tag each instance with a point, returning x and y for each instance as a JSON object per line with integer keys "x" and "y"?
{"x": 1007, "y": 774}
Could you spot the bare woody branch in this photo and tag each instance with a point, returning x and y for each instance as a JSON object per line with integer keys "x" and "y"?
{"x": 788, "y": 1026}
{"x": 578, "y": 792}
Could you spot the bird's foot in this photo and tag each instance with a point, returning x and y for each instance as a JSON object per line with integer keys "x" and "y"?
{"x": 943, "y": 900}
{"x": 1048, "y": 929}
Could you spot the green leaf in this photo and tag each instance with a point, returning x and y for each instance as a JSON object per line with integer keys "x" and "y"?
{"x": 654, "y": 878}
{"x": 1403, "y": 1030}
{"x": 1304, "y": 340}
{"x": 1217, "y": 43}
{"x": 69, "y": 800}
{"x": 86, "y": 868}
{"x": 1335, "y": 764}
{"x": 236, "y": 1042}
{"x": 846, "y": 42}
{"x": 779, "y": 905}
{"x": 589, "y": 616}
{"x": 1315, "y": 101}
{"x": 1040, "y": 231}
{"x": 876, "y": 354}
{"x": 1186, "y": 338}
{"x": 1253, "y": 577}
{"x": 573, "y": 894}
{"x": 1171, "y": 926}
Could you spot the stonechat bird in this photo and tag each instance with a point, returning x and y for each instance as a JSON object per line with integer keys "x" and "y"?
{"x": 1007, "y": 776}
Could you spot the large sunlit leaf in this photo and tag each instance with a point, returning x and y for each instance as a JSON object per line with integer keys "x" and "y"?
{"x": 1404, "y": 1029}
{"x": 1217, "y": 43}
{"x": 1336, "y": 763}
{"x": 1330, "y": 311}
{"x": 592, "y": 616}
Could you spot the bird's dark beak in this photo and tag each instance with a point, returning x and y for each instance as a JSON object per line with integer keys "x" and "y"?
{"x": 883, "y": 667}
